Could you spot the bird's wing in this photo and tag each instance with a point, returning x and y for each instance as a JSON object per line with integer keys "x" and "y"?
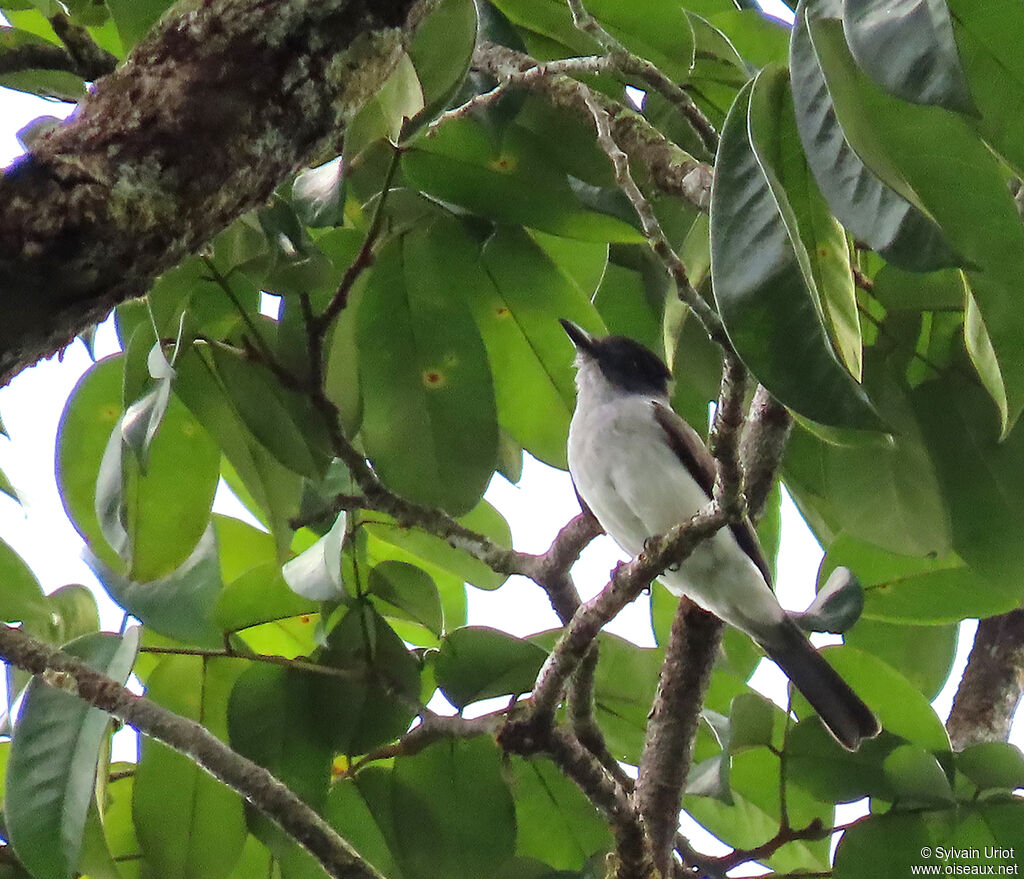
{"x": 694, "y": 455}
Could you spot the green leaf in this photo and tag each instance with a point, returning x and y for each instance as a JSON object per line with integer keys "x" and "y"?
{"x": 179, "y": 605}
{"x": 21, "y": 596}
{"x": 74, "y": 613}
{"x": 913, "y": 291}
{"x": 189, "y": 825}
{"x": 511, "y": 180}
{"x": 351, "y": 810}
{"x": 922, "y": 654}
{"x": 904, "y": 589}
{"x": 982, "y": 479}
{"x": 433, "y": 552}
{"x": 409, "y": 591}
{"x": 916, "y": 777}
{"x": 872, "y": 211}
{"x": 315, "y": 574}
{"x": 279, "y": 418}
{"x": 942, "y": 838}
{"x": 992, "y": 765}
{"x": 52, "y": 765}
{"x": 425, "y": 380}
{"x": 907, "y": 47}
{"x": 271, "y": 720}
{"x": 477, "y": 663}
{"x": 624, "y": 686}
{"x": 761, "y": 273}
{"x": 518, "y": 313}
{"x": 154, "y": 517}
{"x": 441, "y": 51}
{"x": 454, "y": 809}
{"x": 374, "y": 701}
{"x": 134, "y": 18}
{"x": 988, "y": 36}
{"x": 260, "y": 595}
{"x": 270, "y": 490}
{"x": 962, "y": 186}
{"x": 555, "y": 822}
{"x": 900, "y": 707}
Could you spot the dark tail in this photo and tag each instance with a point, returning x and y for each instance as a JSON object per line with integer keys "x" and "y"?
{"x": 840, "y": 709}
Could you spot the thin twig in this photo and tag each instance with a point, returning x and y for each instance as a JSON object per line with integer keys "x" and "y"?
{"x": 815, "y": 830}
{"x": 364, "y": 259}
{"x": 629, "y": 63}
{"x": 655, "y": 235}
{"x": 90, "y": 59}
{"x": 508, "y": 80}
{"x": 269, "y": 658}
{"x": 248, "y": 779}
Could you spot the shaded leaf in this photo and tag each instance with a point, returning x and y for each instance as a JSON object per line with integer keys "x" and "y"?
{"x": 477, "y": 663}
{"x": 52, "y": 765}
{"x": 873, "y": 211}
{"x": 189, "y": 825}
{"x": 907, "y": 47}
{"x": 454, "y": 809}
{"x": 762, "y": 280}
{"x": 409, "y": 590}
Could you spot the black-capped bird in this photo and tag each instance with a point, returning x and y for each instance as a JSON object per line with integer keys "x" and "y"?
{"x": 641, "y": 469}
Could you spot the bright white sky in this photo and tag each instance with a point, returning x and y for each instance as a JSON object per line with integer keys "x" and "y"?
{"x": 543, "y": 501}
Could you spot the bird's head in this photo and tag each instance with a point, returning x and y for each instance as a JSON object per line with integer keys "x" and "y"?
{"x": 624, "y": 364}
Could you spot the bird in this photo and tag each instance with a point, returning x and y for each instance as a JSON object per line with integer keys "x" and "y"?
{"x": 641, "y": 469}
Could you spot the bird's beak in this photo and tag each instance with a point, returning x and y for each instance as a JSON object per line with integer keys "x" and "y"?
{"x": 583, "y": 341}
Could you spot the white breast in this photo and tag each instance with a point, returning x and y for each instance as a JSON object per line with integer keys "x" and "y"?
{"x": 637, "y": 488}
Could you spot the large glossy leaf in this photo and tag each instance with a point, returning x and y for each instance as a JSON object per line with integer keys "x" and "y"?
{"x": 134, "y": 18}
{"x": 271, "y": 490}
{"x": 981, "y": 478}
{"x": 373, "y": 700}
{"x": 271, "y": 720}
{"x": 407, "y": 592}
{"x": 555, "y": 822}
{"x": 453, "y": 810}
{"x": 930, "y": 837}
{"x": 429, "y": 423}
{"x": 510, "y": 179}
{"x": 874, "y": 212}
{"x": 907, "y": 47}
{"x": 961, "y": 185}
{"x": 518, "y": 313}
{"x": 352, "y": 808}
{"x": 178, "y": 605}
{"x": 21, "y": 596}
{"x": 279, "y": 418}
{"x": 433, "y": 552}
{"x": 903, "y": 589}
{"x": 52, "y": 765}
{"x": 441, "y": 51}
{"x": 477, "y": 663}
{"x": 988, "y": 35}
{"x": 763, "y": 282}
{"x": 189, "y": 825}
{"x": 922, "y": 654}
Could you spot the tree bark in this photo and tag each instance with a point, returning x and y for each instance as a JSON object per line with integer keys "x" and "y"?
{"x": 209, "y": 113}
{"x": 993, "y": 681}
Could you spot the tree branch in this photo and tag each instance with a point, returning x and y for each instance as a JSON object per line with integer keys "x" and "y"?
{"x": 91, "y": 61}
{"x": 992, "y": 683}
{"x": 762, "y": 446}
{"x": 673, "y": 171}
{"x": 655, "y": 235}
{"x": 629, "y": 63}
{"x": 174, "y": 145}
{"x": 248, "y": 779}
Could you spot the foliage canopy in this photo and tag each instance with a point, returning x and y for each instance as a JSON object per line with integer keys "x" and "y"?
{"x": 862, "y": 246}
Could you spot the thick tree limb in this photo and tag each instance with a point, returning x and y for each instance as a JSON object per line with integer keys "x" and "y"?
{"x": 993, "y": 681}
{"x": 207, "y": 116}
{"x": 250, "y": 780}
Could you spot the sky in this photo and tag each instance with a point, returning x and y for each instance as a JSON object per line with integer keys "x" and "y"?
{"x": 536, "y": 508}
